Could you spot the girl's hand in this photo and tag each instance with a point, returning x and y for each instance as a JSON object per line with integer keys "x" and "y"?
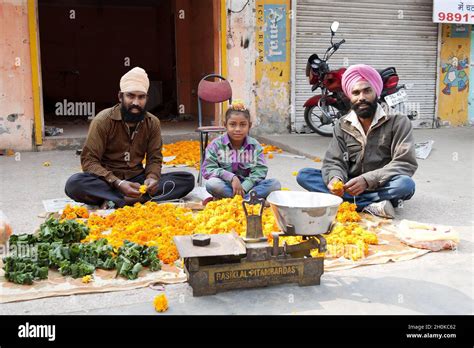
{"x": 237, "y": 186}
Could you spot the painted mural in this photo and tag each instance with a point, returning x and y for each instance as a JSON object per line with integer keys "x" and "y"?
{"x": 454, "y": 74}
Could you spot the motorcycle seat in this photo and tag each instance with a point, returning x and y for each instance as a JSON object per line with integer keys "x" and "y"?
{"x": 387, "y": 72}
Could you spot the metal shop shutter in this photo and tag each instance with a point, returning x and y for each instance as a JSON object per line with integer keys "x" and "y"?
{"x": 380, "y": 33}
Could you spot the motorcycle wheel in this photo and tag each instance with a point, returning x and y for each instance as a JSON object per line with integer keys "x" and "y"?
{"x": 313, "y": 118}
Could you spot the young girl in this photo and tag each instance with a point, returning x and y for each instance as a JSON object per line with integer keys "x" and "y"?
{"x": 234, "y": 163}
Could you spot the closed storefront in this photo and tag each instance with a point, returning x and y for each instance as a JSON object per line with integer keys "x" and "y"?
{"x": 379, "y": 33}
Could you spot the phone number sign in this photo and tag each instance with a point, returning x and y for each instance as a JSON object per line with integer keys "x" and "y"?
{"x": 448, "y": 11}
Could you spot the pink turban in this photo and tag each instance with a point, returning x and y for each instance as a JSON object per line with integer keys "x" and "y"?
{"x": 361, "y": 72}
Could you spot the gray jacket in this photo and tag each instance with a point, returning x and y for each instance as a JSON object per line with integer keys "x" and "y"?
{"x": 388, "y": 150}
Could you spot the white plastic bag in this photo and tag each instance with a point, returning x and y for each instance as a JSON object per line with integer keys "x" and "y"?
{"x": 426, "y": 236}
{"x": 5, "y": 229}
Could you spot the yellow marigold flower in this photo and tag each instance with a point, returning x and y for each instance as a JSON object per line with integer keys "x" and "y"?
{"x": 161, "y": 303}
{"x": 143, "y": 189}
{"x": 338, "y": 185}
{"x": 349, "y": 240}
{"x": 87, "y": 279}
{"x": 295, "y": 173}
{"x": 238, "y": 104}
{"x": 71, "y": 216}
{"x": 347, "y": 213}
{"x": 46, "y": 164}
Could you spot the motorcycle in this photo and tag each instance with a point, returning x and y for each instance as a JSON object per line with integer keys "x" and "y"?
{"x": 323, "y": 110}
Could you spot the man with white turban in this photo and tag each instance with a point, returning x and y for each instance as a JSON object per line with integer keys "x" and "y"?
{"x": 372, "y": 153}
{"x": 119, "y": 138}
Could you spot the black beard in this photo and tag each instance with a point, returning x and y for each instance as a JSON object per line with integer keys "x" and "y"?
{"x": 365, "y": 113}
{"x": 128, "y": 116}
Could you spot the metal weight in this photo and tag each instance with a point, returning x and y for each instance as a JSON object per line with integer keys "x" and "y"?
{"x": 254, "y": 231}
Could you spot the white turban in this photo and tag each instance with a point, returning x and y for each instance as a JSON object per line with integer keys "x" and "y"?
{"x": 136, "y": 80}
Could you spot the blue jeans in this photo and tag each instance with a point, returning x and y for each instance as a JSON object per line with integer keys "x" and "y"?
{"x": 222, "y": 189}
{"x": 398, "y": 188}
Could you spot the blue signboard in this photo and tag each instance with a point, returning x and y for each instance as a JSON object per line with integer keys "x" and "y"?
{"x": 275, "y": 33}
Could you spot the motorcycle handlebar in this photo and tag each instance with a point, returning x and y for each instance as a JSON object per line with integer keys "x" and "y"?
{"x": 339, "y": 43}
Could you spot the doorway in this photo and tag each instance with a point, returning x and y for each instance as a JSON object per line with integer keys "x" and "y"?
{"x": 87, "y": 45}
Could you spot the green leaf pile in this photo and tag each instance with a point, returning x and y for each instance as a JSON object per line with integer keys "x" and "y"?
{"x": 57, "y": 246}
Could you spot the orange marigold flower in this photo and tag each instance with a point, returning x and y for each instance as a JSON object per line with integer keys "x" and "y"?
{"x": 73, "y": 212}
{"x": 338, "y": 185}
{"x": 160, "y": 303}
{"x": 347, "y": 213}
{"x": 270, "y": 148}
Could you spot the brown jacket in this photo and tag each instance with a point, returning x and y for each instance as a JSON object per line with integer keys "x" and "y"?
{"x": 388, "y": 150}
{"x": 111, "y": 153}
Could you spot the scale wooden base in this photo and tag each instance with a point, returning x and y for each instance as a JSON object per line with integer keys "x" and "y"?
{"x": 254, "y": 266}
{"x": 222, "y": 262}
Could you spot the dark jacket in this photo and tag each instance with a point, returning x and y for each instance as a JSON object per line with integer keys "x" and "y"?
{"x": 389, "y": 150}
{"x": 111, "y": 153}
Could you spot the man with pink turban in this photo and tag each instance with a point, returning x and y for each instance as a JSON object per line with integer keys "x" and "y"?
{"x": 119, "y": 138}
{"x": 372, "y": 153}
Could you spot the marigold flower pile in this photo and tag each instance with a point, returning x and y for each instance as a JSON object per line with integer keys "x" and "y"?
{"x": 155, "y": 224}
{"x": 148, "y": 224}
{"x": 227, "y": 214}
{"x": 73, "y": 212}
{"x": 186, "y": 152}
{"x": 347, "y": 213}
{"x": 348, "y": 238}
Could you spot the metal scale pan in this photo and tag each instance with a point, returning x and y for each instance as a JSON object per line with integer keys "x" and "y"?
{"x": 304, "y": 213}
